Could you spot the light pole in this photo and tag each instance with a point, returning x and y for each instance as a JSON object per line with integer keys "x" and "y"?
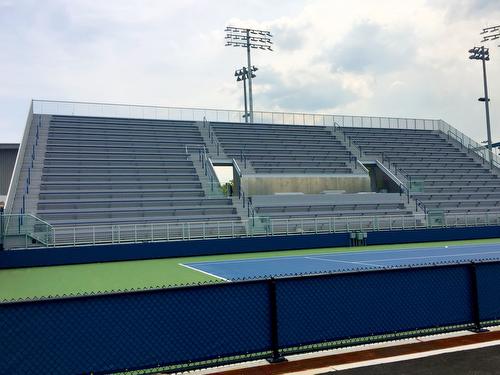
{"x": 490, "y": 33}
{"x": 242, "y": 75}
{"x": 483, "y": 54}
{"x": 248, "y": 38}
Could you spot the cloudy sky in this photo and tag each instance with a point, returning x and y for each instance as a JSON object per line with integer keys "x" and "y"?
{"x": 362, "y": 57}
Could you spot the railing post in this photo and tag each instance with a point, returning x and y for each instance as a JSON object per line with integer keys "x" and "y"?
{"x": 273, "y": 314}
{"x": 476, "y": 312}
{"x": 1, "y": 228}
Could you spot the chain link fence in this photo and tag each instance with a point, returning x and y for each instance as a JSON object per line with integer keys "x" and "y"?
{"x": 180, "y": 328}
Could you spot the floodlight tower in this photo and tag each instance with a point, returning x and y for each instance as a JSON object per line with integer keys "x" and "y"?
{"x": 490, "y": 33}
{"x": 483, "y": 54}
{"x": 248, "y": 38}
{"x": 242, "y": 75}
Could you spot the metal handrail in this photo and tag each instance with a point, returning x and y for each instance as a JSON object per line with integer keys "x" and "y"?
{"x": 133, "y": 233}
{"x": 420, "y": 204}
{"x": 56, "y": 236}
{"x": 14, "y": 181}
{"x": 348, "y": 139}
{"x": 61, "y": 107}
{"x": 469, "y": 144}
{"x": 362, "y": 166}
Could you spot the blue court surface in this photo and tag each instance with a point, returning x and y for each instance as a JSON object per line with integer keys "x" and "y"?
{"x": 348, "y": 261}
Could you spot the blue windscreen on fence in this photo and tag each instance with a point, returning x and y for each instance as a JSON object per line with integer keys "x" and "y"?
{"x": 133, "y": 330}
{"x": 371, "y": 303}
{"x": 489, "y": 297}
{"x": 241, "y": 320}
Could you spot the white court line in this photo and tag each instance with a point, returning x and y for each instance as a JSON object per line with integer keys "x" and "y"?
{"x": 206, "y": 273}
{"x": 435, "y": 256}
{"x": 357, "y": 253}
{"x": 278, "y": 258}
{"x": 343, "y": 261}
{"x": 250, "y": 260}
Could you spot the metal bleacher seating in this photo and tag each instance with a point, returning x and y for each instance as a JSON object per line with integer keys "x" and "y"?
{"x": 82, "y": 172}
{"x": 324, "y": 205}
{"x": 452, "y": 178}
{"x": 282, "y": 149}
{"x": 285, "y": 149}
{"x": 118, "y": 171}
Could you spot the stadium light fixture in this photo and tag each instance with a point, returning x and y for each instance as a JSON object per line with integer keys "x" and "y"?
{"x": 490, "y": 33}
{"x": 483, "y": 54}
{"x": 242, "y": 75}
{"x": 248, "y": 38}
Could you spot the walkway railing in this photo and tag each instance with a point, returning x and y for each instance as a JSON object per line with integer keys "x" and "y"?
{"x": 209, "y": 178}
{"x": 47, "y": 235}
{"x": 54, "y": 107}
{"x": 25, "y": 230}
{"x": 69, "y": 108}
{"x": 469, "y": 145}
{"x": 14, "y": 182}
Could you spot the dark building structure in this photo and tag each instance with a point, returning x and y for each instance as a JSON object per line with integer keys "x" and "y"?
{"x": 8, "y": 154}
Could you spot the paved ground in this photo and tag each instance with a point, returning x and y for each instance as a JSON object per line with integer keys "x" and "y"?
{"x": 456, "y": 353}
{"x": 485, "y": 361}
{"x": 338, "y": 262}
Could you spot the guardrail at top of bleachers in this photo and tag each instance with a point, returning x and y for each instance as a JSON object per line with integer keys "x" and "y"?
{"x": 70, "y": 108}
{"x": 73, "y": 108}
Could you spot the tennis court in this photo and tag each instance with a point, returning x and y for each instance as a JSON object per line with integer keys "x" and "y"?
{"x": 348, "y": 261}
{"x": 42, "y": 282}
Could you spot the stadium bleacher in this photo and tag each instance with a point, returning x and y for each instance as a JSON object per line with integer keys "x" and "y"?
{"x": 285, "y": 148}
{"x": 451, "y": 177}
{"x": 112, "y": 171}
{"x": 90, "y": 176}
{"x": 324, "y": 205}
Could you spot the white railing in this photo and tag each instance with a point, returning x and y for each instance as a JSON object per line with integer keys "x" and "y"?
{"x": 53, "y": 107}
{"x": 50, "y": 236}
{"x": 14, "y": 181}
{"x": 469, "y": 144}
{"x": 25, "y": 228}
{"x": 58, "y": 107}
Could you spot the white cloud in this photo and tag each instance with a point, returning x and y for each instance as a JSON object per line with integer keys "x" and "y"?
{"x": 363, "y": 57}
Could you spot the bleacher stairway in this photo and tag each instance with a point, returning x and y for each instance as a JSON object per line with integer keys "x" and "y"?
{"x": 305, "y": 152}
{"x": 444, "y": 175}
{"x": 285, "y": 148}
{"x": 102, "y": 177}
{"x": 112, "y": 171}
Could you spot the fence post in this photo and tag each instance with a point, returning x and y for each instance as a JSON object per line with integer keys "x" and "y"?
{"x": 273, "y": 306}
{"x": 476, "y": 314}
{"x": 1, "y": 228}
